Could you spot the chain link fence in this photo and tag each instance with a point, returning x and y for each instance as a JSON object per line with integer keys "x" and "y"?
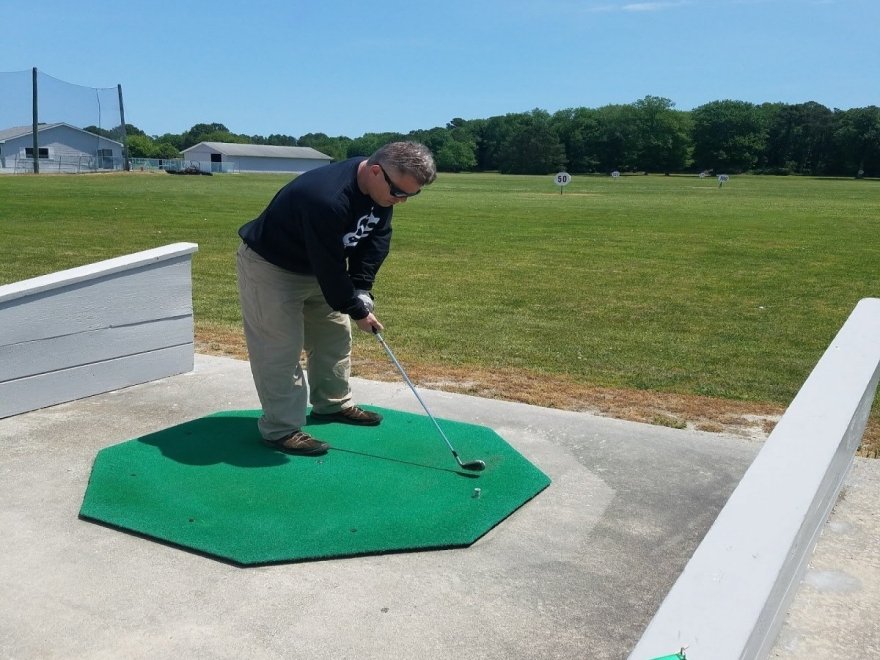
{"x": 182, "y": 166}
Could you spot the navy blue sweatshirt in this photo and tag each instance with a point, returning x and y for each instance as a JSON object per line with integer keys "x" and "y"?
{"x": 321, "y": 224}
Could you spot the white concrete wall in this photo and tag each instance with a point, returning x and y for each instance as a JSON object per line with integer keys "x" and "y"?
{"x": 731, "y": 598}
{"x": 96, "y": 328}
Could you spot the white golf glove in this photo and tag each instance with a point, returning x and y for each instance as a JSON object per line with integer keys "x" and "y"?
{"x": 367, "y": 298}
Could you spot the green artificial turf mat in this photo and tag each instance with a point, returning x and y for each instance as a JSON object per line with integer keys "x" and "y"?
{"x": 210, "y": 485}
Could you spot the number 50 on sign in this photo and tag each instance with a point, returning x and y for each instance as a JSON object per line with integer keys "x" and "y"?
{"x": 562, "y": 179}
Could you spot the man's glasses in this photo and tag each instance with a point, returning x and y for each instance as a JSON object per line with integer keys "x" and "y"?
{"x": 394, "y": 189}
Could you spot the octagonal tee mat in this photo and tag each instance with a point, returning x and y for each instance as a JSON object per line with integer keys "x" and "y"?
{"x": 211, "y": 486}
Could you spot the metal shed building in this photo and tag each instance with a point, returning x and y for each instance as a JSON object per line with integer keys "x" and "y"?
{"x": 226, "y": 156}
{"x": 62, "y": 148}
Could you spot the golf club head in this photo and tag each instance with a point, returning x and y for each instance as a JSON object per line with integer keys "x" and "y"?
{"x": 474, "y": 466}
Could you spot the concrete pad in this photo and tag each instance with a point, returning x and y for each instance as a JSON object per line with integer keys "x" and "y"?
{"x": 577, "y": 572}
{"x": 834, "y": 614}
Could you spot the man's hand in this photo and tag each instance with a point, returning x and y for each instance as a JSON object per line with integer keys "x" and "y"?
{"x": 367, "y": 298}
{"x": 370, "y": 324}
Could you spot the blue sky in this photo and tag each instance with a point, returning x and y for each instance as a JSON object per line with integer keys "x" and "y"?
{"x": 348, "y": 68}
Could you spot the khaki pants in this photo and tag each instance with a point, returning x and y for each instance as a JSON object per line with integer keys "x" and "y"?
{"x": 285, "y": 313}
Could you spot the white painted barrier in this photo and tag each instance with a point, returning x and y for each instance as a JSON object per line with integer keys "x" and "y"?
{"x": 96, "y": 328}
{"x": 732, "y": 596}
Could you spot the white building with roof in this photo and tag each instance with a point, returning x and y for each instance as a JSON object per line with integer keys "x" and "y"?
{"x": 61, "y": 148}
{"x": 227, "y": 156}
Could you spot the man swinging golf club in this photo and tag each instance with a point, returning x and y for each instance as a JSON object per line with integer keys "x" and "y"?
{"x": 306, "y": 266}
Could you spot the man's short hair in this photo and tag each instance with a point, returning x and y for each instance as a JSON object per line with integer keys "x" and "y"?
{"x": 410, "y": 158}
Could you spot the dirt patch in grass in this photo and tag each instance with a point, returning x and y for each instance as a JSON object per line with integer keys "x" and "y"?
{"x": 740, "y": 418}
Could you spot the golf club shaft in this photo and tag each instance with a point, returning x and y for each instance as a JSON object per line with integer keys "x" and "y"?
{"x": 413, "y": 388}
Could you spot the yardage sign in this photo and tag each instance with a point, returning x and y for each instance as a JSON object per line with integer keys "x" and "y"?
{"x": 563, "y": 178}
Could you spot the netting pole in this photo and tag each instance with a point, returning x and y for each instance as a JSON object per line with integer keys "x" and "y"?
{"x": 36, "y": 122}
{"x": 126, "y": 164}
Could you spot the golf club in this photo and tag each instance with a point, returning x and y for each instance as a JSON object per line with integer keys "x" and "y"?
{"x": 470, "y": 465}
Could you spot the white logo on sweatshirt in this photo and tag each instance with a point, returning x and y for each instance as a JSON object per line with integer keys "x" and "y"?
{"x": 365, "y": 225}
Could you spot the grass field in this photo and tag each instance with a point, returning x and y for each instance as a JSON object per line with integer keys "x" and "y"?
{"x": 632, "y": 289}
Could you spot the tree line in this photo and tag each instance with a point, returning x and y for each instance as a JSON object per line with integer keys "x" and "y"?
{"x": 649, "y": 135}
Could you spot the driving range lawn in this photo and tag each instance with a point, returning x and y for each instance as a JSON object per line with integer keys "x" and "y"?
{"x": 670, "y": 284}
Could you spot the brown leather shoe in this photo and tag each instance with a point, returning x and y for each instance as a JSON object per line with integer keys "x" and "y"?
{"x": 298, "y": 443}
{"x": 353, "y": 415}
